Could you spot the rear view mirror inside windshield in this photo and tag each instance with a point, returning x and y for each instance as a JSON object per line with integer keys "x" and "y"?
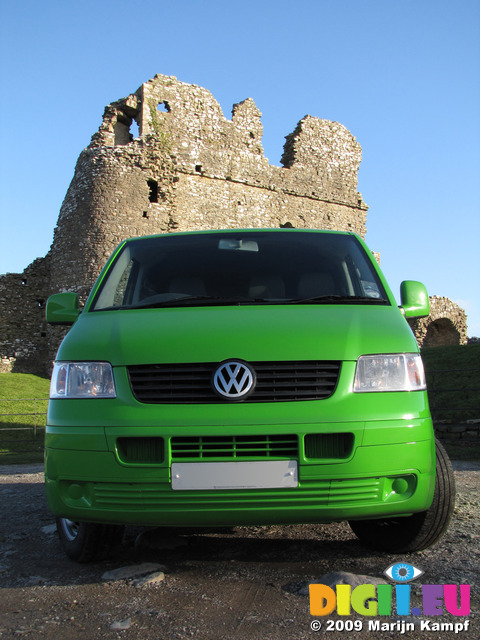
{"x": 235, "y": 244}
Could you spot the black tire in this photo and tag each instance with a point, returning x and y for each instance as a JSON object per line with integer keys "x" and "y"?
{"x": 86, "y": 541}
{"x": 420, "y": 530}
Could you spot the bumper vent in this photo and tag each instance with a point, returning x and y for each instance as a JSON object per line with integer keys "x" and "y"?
{"x": 234, "y": 447}
{"x": 140, "y": 450}
{"x": 328, "y": 446}
{"x": 275, "y": 382}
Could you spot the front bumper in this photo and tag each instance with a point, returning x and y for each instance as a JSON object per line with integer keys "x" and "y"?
{"x": 390, "y": 472}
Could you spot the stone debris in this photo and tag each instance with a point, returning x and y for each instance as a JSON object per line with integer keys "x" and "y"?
{"x": 133, "y": 571}
{"x": 121, "y": 625}
{"x": 344, "y": 577}
{"x": 35, "y": 581}
{"x": 152, "y": 578}
{"x": 333, "y": 578}
{"x": 49, "y": 529}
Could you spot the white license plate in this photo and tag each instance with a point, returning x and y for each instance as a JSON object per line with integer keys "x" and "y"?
{"x": 196, "y": 476}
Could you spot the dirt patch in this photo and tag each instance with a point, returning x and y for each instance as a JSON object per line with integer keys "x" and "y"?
{"x": 240, "y": 583}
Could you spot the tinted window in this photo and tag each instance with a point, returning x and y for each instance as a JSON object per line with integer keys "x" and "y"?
{"x": 240, "y": 267}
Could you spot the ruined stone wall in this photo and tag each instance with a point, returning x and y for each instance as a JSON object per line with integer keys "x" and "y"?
{"x": 187, "y": 168}
{"x": 446, "y": 324}
{"x": 191, "y": 168}
{"x": 23, "y": 330}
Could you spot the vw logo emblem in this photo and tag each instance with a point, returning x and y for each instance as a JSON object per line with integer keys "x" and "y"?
{"x": 233, "y": 380}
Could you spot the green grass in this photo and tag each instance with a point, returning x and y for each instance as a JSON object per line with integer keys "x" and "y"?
{"x": 22, "y": 435}
{"x": 23, "y": 385}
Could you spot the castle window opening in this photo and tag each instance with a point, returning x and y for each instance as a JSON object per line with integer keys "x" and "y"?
{"x": 153, "y": 194}
{"x": 198, "y": 168}
{"x": 121, "y": 129}
{"x": 164, "y": 107}
{"x": 135, "y": 129}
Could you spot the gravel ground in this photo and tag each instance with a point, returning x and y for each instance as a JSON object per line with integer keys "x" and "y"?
{"x": 241, "y": 583}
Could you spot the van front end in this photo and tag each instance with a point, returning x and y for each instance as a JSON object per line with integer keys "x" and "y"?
{"x": 350, "y": 456}
{"x": 243, "y": 377}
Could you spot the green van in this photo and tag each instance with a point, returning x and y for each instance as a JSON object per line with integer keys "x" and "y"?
{"x": 243, "y": 377}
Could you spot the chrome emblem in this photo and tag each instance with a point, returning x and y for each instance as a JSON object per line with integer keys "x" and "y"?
{"x": 233, "y": 380}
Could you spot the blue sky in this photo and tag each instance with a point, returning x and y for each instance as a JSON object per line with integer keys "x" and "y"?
{"x": 402, "y": 75}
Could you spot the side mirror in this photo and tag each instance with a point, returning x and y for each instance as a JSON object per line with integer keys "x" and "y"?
{"x": 414, "y": 297}
{"x": 62, "y": 308}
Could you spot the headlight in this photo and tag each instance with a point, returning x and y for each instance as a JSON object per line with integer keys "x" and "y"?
{"x": 82, "y": 380}
{"x": 396, "y": 372}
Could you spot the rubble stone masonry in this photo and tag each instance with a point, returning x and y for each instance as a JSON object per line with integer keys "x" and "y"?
{"x": 166, "y": 159}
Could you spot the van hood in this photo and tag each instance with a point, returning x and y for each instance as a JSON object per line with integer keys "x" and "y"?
{"x": 213, "y": 334}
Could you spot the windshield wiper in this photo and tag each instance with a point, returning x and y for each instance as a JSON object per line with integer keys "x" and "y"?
{"x": 338, "y": 299}
{"x": 188, "y": 300}
{"x": 204, "y": 300}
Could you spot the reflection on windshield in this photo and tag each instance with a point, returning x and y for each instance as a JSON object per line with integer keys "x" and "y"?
{"x": 264, "y": 267}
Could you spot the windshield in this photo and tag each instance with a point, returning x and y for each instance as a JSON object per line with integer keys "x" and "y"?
{"x": 264, "y": 267}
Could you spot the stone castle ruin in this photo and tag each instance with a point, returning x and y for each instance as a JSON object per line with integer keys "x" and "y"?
{"x": 166, "y": 159}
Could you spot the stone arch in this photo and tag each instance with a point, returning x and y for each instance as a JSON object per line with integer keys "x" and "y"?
{"x": 440, "y": 333}
{"x": 446, "y": 324}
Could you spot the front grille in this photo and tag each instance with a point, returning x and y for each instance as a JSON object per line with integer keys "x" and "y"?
{"x": 234, "y": 447}
{"x": 275, "y": 382}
